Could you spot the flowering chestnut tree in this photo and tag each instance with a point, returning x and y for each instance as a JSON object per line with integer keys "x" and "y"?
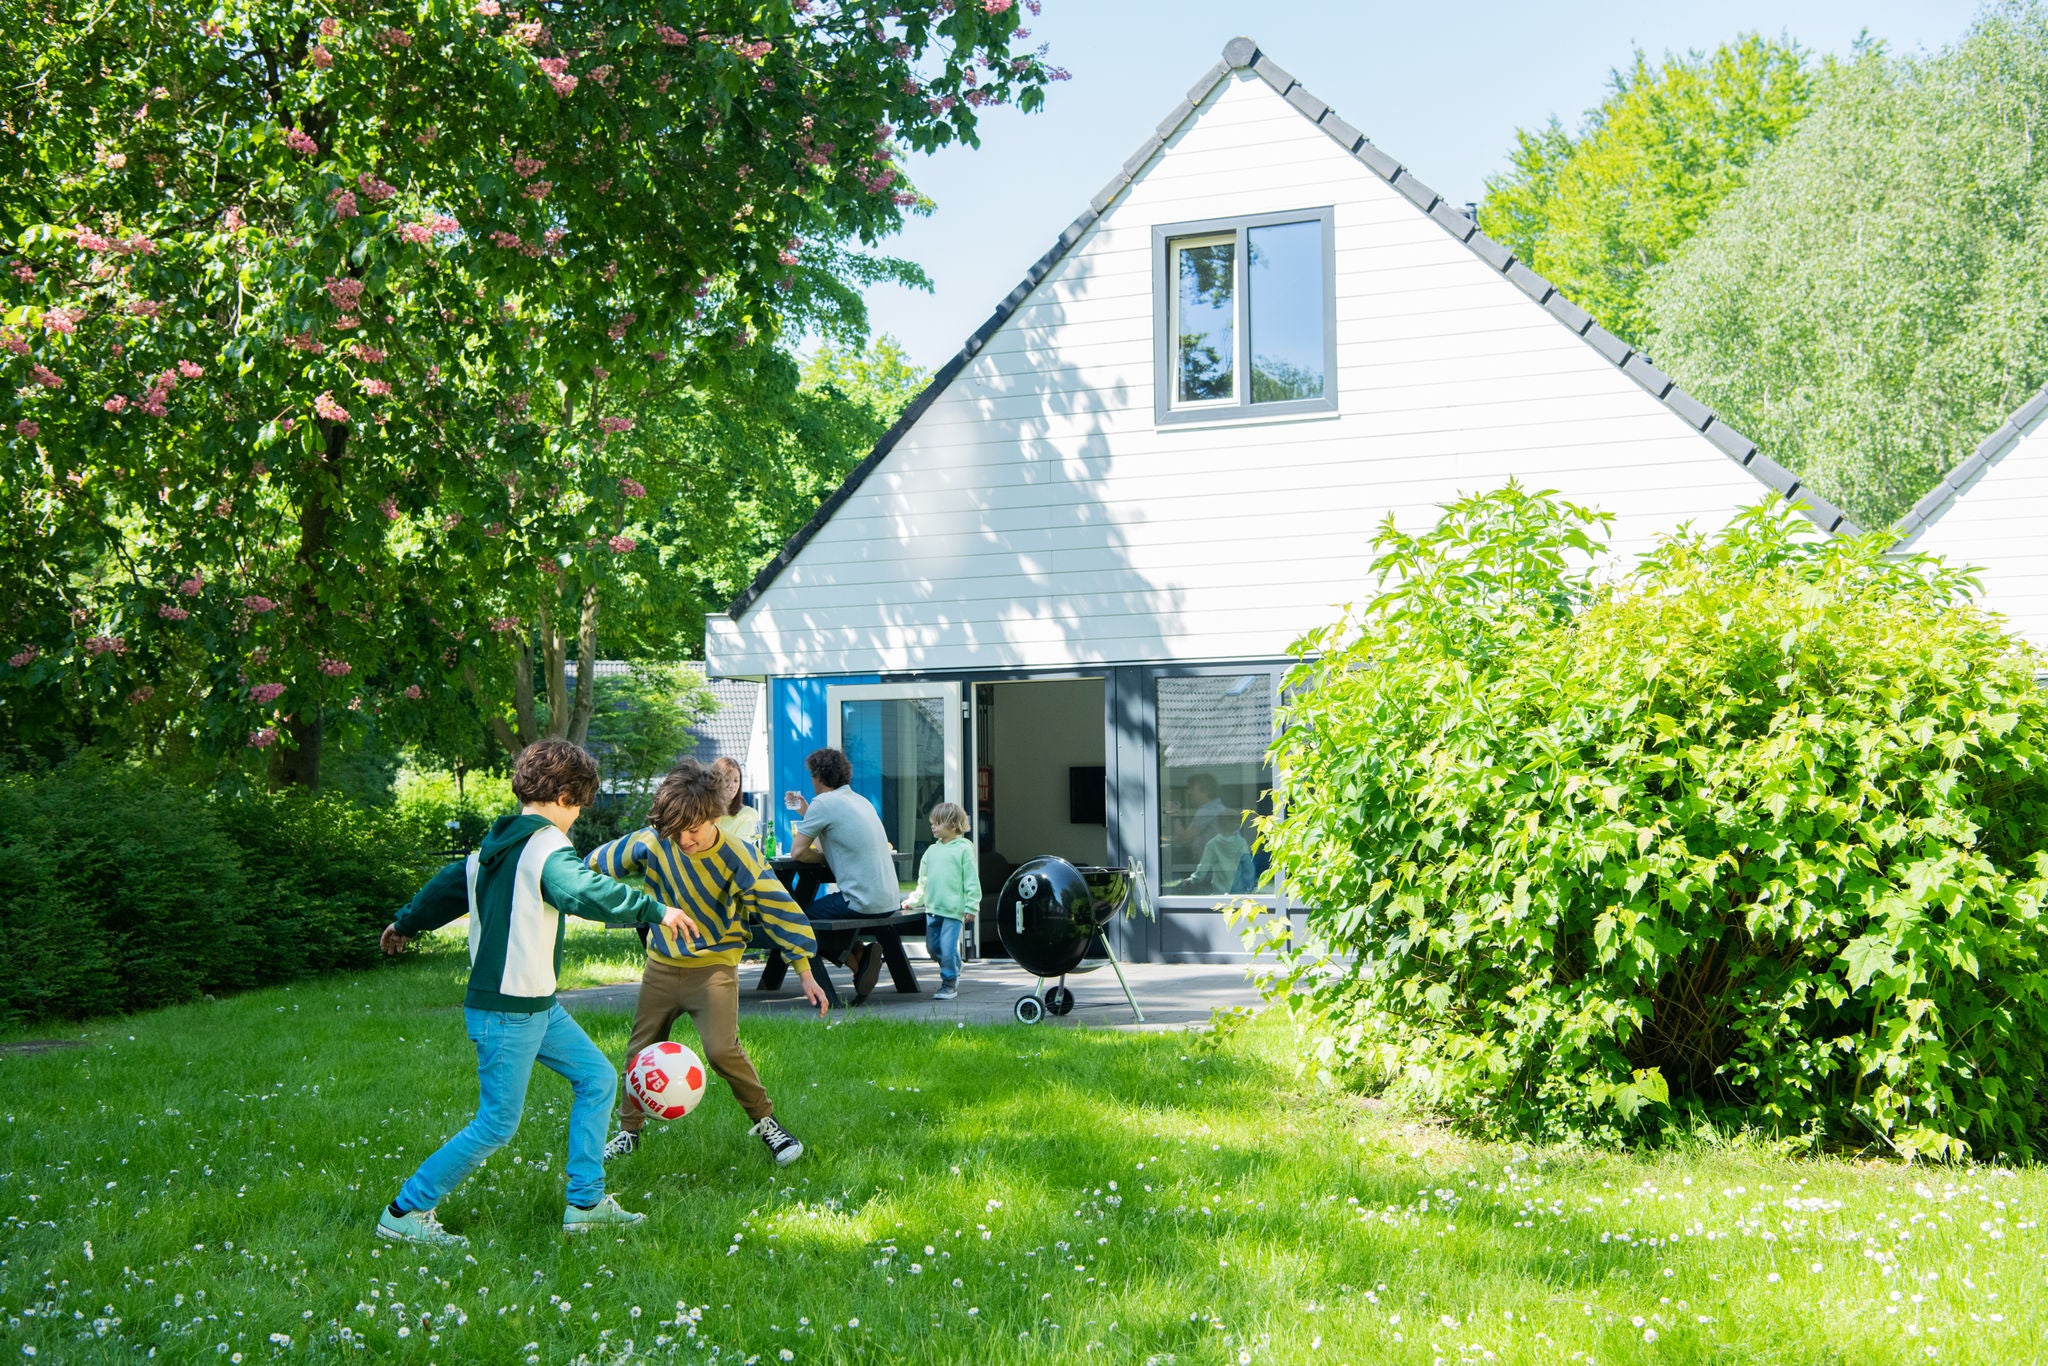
{"x": 325, "y": 328}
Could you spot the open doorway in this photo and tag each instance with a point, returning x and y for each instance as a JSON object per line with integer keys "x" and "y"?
{"x": 1040, "y": 780}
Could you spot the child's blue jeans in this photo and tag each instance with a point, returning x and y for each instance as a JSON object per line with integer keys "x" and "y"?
{"x": 942, "y": 941}
{"x": 507, "y": 1047}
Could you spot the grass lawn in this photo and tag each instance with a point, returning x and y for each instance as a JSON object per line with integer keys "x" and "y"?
{"x": 199, "y": 1184}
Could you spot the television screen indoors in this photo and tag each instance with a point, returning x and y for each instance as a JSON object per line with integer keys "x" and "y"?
{"x": 1086, "y": 796}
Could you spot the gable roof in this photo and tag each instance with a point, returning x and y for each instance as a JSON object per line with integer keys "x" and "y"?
{"x": 1972, "y": 468}
{"x": 1242, "y": 54}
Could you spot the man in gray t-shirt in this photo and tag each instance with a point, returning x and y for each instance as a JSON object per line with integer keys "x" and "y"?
{"x": 840, "y": 827}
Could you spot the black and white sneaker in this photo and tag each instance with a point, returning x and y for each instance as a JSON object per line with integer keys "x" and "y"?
{"x": 624, "y": 1144}
{"x": 782, "y": 1145}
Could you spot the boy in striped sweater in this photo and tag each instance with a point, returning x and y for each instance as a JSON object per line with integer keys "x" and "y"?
{"x": 686, "y": 860}
{"x": 515, "y": 890}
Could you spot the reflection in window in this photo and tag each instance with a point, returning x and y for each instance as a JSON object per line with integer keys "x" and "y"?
{"x": 1285, "y": 292}
{"x": 897, "y": 746}
{"x": 1205, "y": 319}
{"x": 1213, "y": 776}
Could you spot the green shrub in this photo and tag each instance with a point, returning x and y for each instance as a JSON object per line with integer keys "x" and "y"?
{"x": 1755, "y": 832}
{"x": 441, "y": 813}
{"x": 125, "y": 891}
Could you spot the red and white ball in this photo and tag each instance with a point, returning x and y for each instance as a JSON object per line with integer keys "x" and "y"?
{"x": 667, "y": 1079}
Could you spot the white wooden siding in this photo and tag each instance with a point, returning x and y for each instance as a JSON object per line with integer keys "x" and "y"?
{"x": 1037, "y": 516}
{"x": 2000, "y": 524}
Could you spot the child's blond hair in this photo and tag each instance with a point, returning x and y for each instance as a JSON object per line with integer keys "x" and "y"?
{"x": 949, "y": 817}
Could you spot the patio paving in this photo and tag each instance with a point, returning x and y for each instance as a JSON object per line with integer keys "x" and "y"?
{"x": 1173, "y": 996}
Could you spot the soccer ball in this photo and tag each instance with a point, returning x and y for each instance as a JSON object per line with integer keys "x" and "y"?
{"x": 666, "y": 1079}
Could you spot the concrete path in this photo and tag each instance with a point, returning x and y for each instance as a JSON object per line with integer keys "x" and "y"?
{"x": 1172, "y": 995}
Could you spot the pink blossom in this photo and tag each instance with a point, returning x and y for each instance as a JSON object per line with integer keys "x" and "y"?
{"x": 190, "y": 370}
{"x": 538, "y": 190}
{"x": 24, "y": 272}
{"x": 27, "y": 430}
{"x": 599, "y": 373}
{"x": 788, "y": 256}
{"x": 322, "y": 58}
{"x": 345, "y": 294}
{"x": 325, "y": 406}
{"x": 224, "y": 508}
{"x": 395, "y": 37}
{"x": 232, "y": 219}
{"x": 106, "y": 645}
{"x": 509, "y": 241}
{"x": 259, "y": 656}
{"x": 170, "y": 611}
{"x": 526, "y": 167}
{"x": 25, "y": 658}
{"x": 565, "y": 86}
{"x": 263, "y": 739}
{"x": 263, "y": 694}
{"x": 329, "y": 28}
{"x": 506, "y": 625}
{"x": 671, "y": 36}
{"x": 193, "y": 586}
{"x": 632, "y": 488}
{"x": 48, "y": 378}
{"x": 145, "y": 308}
{"x": 621, "y": 545}
{"x": 344, "y": 202}
{"x": 258, "y": 604}
{"x": 117, "y": 404}
{"x": 389, "y": 507}
{"x": 451, "y": 521}
{"x": 61, "y": 320}
{"x": 549, "y": 567}
{"x": 89, "y": 240}
{"x": 335, "y": 668}
{"x": 487, "y": 8}
{"x": 996, "y": 6}
{"x": 413, "y": 692}
{"x": 141, "y": 695}
{"x": 10, "y": 342}
{"x": 374, "y": 187}
{"x": 367, "y": 354}
{"x": 300, "y": 143}
{"x": 531, "y": 34}
{"x": 417, "y": 234}
{"x": 303, "y": 341}
{"x": 617, "y": 331}
{"x": 376, "y": 388}
{"x": 615, "y": 424}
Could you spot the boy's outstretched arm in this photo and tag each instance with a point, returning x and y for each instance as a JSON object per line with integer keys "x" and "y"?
{"x": 575, "y": 890}
{"x": 444, "y": 898}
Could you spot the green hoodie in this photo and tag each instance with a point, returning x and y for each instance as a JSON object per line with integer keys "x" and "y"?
{"x": 515, "y": 889}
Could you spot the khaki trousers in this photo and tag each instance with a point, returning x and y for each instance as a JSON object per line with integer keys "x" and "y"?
{"x": 710, "y": 996}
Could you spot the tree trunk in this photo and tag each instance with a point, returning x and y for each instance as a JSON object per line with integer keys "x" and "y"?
{"x": 554, "y": 658}
{"x": 522, "y": 699}
{"x": 297, "y": 762}
{"x": 586, "y": 667}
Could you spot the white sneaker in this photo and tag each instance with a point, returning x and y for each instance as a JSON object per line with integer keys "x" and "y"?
{"x": 417, "y": 1226}
{"x": 946, "y": 992}
{"x": 624, "y": 1144}
{"x": 604, "y": 1214}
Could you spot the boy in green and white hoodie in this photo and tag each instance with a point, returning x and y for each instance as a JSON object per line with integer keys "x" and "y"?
{"x": 516, "y": 890}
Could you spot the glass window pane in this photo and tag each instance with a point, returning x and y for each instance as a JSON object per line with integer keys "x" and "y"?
{"x": 1213, "y": 734}
{"x": 898, "y": 749}
{"x": 1286, "y": 298}
{"x": 1205, "y": 321}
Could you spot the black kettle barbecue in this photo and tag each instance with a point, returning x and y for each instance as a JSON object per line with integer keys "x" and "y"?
{"x": 1051, "y": 918}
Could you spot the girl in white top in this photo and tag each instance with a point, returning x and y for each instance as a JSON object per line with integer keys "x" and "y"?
{"x": 740, "y": 821}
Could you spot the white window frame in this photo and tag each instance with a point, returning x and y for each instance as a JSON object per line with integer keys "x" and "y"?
{"x": 948, "y": 693}
{"x": 1167, "y": 239}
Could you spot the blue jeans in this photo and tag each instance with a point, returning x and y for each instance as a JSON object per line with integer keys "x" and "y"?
{"x": 507, "y": 1047}
{"x": 942, "y": 939}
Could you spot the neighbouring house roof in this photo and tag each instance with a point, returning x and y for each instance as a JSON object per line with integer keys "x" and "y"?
{"x": 1970, "y": 470}
{"x": 726, "y": 733}
{"x": 1215, "y": 719}
{"x": 1242, "y": 54}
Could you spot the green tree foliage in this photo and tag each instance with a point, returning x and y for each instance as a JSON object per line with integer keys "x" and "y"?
{"x": 321, "y": 325}
{"x": 1757, "y": 831}
{"x": 1875, "y": 299}
{"x": 1596, "y": 212}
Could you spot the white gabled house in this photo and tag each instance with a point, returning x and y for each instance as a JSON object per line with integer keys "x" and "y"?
{"x": 1062, "y": 587}
{"x": 1990, "y": 511}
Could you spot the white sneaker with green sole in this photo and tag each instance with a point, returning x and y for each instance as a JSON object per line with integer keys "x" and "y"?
{"x": 417, "y": 1226}
{"x": 605, "y": 1214}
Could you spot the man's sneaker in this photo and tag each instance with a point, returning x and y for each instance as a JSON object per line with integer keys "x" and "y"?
{"x": 864, "y": 975}
{"x": 782, "y": 1145}
{"x": 417, "y": 1226}
{"x": 624, "y": 1144}
{"x": 946, "y": 992}
{"x": 605, "y": 1214}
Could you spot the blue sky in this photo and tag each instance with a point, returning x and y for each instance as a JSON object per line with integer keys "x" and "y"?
{"x": 1440, "y": 85}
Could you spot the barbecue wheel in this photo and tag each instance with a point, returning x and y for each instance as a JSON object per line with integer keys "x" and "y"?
{"x": 1059, "y": 1000}
{"x": 1029, "y": 1010}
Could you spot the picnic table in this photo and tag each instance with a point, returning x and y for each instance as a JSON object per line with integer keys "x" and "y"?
{"x": 805, "y": 881}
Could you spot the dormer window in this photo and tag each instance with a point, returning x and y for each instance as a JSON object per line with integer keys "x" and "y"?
{"x": 1243, "y": 318}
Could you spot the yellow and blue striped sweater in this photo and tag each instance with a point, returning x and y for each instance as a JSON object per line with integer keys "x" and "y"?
{"x": 722, "y": 888}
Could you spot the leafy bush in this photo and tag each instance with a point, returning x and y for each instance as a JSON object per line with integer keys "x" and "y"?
{"x": 125, "y": 891}
{"x": 1754, "y": 832}
{"x": 440, "y": 813}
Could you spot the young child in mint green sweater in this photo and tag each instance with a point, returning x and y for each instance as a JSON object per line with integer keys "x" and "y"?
{"x": 948, "y": 891}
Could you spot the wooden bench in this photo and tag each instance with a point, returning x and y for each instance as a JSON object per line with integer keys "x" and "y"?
{"x": 886, "y": 930}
